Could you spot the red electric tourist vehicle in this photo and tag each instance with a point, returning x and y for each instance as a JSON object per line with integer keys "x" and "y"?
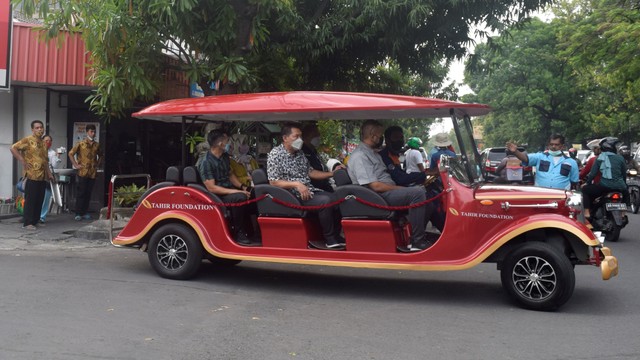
{"x": 535, "y": 235}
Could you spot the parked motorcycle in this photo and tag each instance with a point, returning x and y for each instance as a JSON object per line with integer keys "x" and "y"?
{"x": 607, "y": 215}
{"x": 633, "y": 183}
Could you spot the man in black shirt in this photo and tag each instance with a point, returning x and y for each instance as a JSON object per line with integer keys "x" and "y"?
{"x": 215, "y": 171}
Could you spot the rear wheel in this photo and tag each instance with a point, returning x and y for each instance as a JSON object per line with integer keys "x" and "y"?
{"x": 613, "y": 232}
{"x": 538, "y": 276}
{"x": 175, "y": 252}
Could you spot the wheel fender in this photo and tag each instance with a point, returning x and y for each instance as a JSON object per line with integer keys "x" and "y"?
{"x": 617, "y": 218}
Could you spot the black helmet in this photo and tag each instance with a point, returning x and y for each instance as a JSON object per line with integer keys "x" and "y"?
{"x": 610, "y": 144}
{"x": 624, "y": 151}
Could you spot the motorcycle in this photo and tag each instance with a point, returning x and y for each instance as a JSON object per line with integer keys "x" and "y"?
{"x": 633, "y": 183}
{"x": 607, "y": 215}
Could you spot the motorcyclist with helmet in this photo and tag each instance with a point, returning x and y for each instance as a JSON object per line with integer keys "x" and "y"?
{"x": 613, "y": 173}
{"x": 625, "y": 152}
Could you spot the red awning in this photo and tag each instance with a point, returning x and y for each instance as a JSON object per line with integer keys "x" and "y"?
{"x": 49, "y": 63}
{"x": 306, "y": 105}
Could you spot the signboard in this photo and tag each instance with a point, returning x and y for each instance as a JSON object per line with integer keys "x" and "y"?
{"x": 80, "y": 132}
{"x": 6, "y": 23}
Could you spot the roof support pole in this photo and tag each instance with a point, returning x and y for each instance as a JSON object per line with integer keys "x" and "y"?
{"x": 184, "y": 142}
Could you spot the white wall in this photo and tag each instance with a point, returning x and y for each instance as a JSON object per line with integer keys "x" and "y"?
{"x": 6, "y": 140}
{"x": 58, "y": 127}
{"x": 32, "y": 106}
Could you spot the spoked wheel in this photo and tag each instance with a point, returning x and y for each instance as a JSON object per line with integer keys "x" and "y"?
{"x": 175, "y": 252}
{"x": 538, "y": 276}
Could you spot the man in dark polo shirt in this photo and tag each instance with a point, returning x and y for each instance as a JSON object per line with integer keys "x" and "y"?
{"x": 215, "y": 171}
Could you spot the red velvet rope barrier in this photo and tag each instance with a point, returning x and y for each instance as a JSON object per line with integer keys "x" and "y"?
{"x": 403, "y": 207}
{"x": 331, "y": 204}
{"x": 309, "y": 208}
{"x": 242, "y": 203}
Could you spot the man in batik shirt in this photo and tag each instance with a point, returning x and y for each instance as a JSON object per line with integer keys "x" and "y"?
{"x": 32, "y": 153}
{"x": 288, "y": 168}
{"x": 85, "y": 157}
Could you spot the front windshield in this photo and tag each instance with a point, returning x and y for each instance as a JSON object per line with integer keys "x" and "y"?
{"x": 468, "y": 169}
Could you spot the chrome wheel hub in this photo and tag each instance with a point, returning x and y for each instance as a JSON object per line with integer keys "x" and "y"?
{"x": 534, "y": 278}
{"x": 172, "y": 252}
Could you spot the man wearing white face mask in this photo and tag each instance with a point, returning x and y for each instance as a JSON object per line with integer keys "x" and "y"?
{"x": 311, "y": 138}
{"x": 553, "y": 168}
{"x": 217, "y": 177}
{"x": 288, "y": 168}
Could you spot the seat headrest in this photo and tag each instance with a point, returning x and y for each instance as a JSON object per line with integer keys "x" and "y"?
{"x": 174, "y": 174}
{"x": 341, "y": 177}
{"x": 259, "y": 176}
{"x": 190, "y": 175}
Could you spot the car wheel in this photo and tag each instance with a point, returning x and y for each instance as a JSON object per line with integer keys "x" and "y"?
{"x": 175, "y": 252}
{"x": 538, "y": 276}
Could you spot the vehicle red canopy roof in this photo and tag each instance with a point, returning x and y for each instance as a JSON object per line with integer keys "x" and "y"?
{"x": 306, "y": 105}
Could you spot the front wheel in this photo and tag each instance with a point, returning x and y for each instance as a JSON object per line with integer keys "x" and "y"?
{"x": 538, "y": 276}
{"x": 175, "y": 252}
{"x": 634, "y": 196}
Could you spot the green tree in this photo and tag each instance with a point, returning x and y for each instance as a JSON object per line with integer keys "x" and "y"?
{"x": 600, "y": 39}
{"x": 260, "y": 45}
{"x": 531, "y": 89}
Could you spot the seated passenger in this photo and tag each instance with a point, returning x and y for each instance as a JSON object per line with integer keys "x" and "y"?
{"x": 443, "y": 144}
{"x": 215, "y": 171}
{"x": 391, "y": 158}
{"x": 311, "y": 140}
{"x": 288, "y": 168}
{"x": 367, "y": 168}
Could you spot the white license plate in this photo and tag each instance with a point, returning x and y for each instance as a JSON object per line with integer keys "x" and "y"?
{"x": 616, "y": 206}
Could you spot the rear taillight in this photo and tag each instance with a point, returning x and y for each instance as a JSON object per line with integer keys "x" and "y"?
{"x": 615, "y": 197}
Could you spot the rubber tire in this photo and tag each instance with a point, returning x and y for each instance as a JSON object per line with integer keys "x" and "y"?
{"x": 187, "y": 241}
{"x": 565, "y": 276}
{"x": 635, "y": 202}
{"x": 615, "y": 234}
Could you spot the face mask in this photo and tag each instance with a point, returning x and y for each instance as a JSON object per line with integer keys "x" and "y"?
{"x": 48, "y": 145}
{"x": 555, "y": 153}
{"x": 227, "y": 147}
{"x": 380, "y": 142}
{"x": 315, "y": 141}
{"x": 396, "y": 146}
{"x": 297, "y": 144}
{"x": 90, "y": 138}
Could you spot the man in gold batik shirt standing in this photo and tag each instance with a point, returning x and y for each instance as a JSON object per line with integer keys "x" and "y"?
{"x": 85, "y": 157}
{"x": 32, "y": 153}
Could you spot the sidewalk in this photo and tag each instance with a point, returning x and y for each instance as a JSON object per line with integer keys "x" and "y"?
{"x": 60, "y": 229}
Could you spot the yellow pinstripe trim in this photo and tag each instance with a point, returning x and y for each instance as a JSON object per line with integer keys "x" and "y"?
{"x": 380, "y": 265}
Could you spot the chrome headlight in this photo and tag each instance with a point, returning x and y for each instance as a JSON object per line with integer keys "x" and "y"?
{"x": 575, "y": 200}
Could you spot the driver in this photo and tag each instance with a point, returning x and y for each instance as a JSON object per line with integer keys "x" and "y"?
{"x": 626, "y": 154}
{"x": 367, "y": 168}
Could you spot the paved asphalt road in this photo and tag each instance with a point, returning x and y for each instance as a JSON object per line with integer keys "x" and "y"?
{"x": 106, "y": 303}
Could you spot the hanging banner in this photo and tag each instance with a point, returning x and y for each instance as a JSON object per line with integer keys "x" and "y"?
{"x": 6, "y": 22}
